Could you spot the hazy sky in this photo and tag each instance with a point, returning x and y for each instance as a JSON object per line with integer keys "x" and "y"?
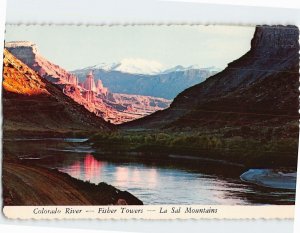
{"x": 74, "y": 47}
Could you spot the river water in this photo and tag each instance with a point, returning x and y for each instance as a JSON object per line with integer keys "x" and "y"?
{"x": 175, "y": 181}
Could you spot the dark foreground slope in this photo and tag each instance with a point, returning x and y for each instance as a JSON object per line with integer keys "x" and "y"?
{"x": 25, "y": 184}
{"x": 261, "y": 87}
{"x": 33, "y": 104}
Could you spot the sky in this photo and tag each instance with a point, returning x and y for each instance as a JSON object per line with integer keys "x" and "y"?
{"x": 75, "y": 47}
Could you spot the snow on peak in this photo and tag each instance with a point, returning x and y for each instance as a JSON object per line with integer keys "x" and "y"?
{"x": 139, "y": 66}
{"x": 145, "y": 67}
{"x": 131, "y": 66}
{"x": 103, "y": 66}
{"x": 175, "y": 69}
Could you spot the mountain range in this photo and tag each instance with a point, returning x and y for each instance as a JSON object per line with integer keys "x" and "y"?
{"x": 131, "y": 66}
{"x": 144, "y": 67}
{"x": 261, "y": 87}
{"x": 113, "y": 107}
{"x": 149, "y": 81}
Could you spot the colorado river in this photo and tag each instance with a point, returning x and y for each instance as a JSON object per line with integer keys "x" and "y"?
{"x": 181, "y": 182}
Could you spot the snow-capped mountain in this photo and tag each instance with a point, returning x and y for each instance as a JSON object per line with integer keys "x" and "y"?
{"x": 132, "y": 66}
{"x": 145, "y": 67}
{"x": 103, "y": 66}
{"x": 139, "y": 66}
{"x": 151, "y": 79}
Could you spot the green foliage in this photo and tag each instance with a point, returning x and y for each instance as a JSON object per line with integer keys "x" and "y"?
{"x": 236, "y": 148}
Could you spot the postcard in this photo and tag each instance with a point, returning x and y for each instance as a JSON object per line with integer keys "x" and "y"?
{"x": 150, "y": 121}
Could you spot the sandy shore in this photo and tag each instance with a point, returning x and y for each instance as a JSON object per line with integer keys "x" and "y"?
{"x": 31, "y": 185}
{"x": 271, "y": 178}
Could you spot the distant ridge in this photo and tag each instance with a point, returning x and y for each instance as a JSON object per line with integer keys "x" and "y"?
{"x": 163, "y": 83}
{"x": 130, "y": 67}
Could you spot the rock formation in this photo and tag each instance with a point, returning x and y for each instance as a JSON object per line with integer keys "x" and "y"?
{"x": 167, "y": 84}
{"x": 93, "y": 96}
{"x": 101, "y": 89}
{"x": 89, "y": 83}
{"x": 27, "y": 52}
{"x": 31, "y": 103}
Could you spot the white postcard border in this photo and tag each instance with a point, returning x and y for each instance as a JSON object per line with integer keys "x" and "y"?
{"x": 154, "y": 212}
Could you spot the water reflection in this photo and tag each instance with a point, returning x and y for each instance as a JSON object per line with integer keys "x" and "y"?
{"x": 136, "y": 176}
{"x": 122, "y": 176}
{"x": 92, "y": 167}
{"x": 75, "y": 170}
{"x": 151, "y": 184}
{"x": 87, "y": 168}
{"x": 152, "y": 178}
{"x": 156, "y": 182}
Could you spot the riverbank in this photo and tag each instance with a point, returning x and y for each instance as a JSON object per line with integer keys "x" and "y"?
{"x": 25, "y": 184}
{"x": 13, "y": 134}
{"x": 249, "y": 152}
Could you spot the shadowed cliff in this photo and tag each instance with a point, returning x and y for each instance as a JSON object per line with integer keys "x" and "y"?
{"x": 260, "y": 87}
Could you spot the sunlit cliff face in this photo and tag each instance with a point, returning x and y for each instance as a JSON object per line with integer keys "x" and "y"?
{"x": 112, "y": 107}
{"x": 20, "y": 79}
